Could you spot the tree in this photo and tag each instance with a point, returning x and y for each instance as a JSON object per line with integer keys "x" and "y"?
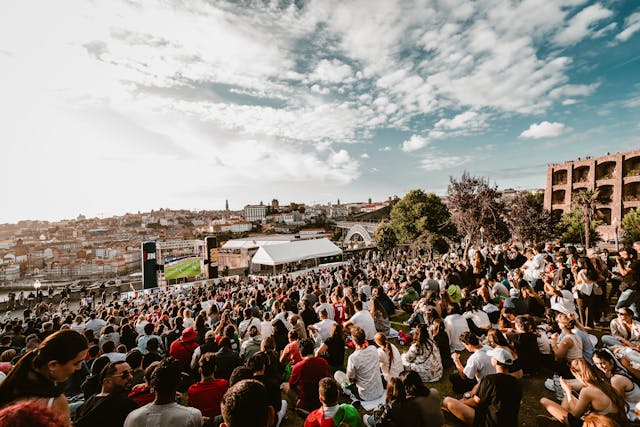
{"x": 528, "y": 220}
{"x": 571, "y": 228}
{"x": 476, "y": 210}
{"x": 385, "y": 236}
{"x": 430, "y": 242}
{"x": 418, "y": 212}
{"x": 631, "y": 226}
{"x": 586, "y": 200}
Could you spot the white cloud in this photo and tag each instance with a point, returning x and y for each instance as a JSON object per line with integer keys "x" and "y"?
{"x": 438, "y": 163}
{"x": 332, "y": 71}
{"x": 385, "y": 148}
{"x": 582, "y": 25}
{"x": 414, "y": 143}
{"x": 364, "y": 156}
{"x": 631, "y": 26}
{"x": 569, "y": 102}
{"x": 544, "y": 130}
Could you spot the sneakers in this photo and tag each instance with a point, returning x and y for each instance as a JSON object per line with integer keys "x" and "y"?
{"x": 548, "y": 383}
{"x": 553, "y": 384}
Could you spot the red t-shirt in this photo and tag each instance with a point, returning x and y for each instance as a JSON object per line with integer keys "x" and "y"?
{"x": 207, "y": 396}
{"x": 317, "y": 419}
{"x": 338, "y": 310}
{"x": 142, "y": 394}
{"x": 306, "y": 375}
{"x": 182, "y": 352}
{"x": 292, "y": 353}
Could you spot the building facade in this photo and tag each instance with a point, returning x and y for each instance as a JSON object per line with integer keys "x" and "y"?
{"x": 616, "y": 176}
{"x": 255, "y": 212}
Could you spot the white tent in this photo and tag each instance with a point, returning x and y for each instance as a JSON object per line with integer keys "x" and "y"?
{"x": 295, "y": 251}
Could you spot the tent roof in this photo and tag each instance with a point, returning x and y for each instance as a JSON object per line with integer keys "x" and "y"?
{"x": 295, "y": 251}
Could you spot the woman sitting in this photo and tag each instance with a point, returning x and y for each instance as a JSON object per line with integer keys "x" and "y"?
{"x": 525, "y": 343}
{"x": 566, "y": 346}
{"x": 389, "y": 357}
{"x": 380, "y": 316}
{"x": 622, "y": 382}
{"x": 423, "y": 356}
{"x": 439, "y": 336}
{"x": 497, "y": 339}
{"x": 594, "y": 395}
{"x": 39, "y": 375}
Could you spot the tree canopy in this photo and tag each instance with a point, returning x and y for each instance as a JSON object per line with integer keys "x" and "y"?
{"x": 385, "y": 236}
{"x": 528, "y": 220}
{"x": 418, "y": 212}
{"x": 631, "y": 226}
{"x": 476, "y": 210}
{"x": 571, "y": 228}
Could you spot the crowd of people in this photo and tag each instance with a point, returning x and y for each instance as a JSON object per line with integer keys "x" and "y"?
{"x": 320, "y": 346}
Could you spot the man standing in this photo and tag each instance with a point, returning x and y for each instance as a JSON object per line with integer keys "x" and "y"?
{"x": 302, "y": 388}
{"x": 497, "y": 402}
{"x": 111, "y": 406}
{"x": 363, "y": 369}
{"x": 164, "y": 411}
{"x": 246, "y": 324}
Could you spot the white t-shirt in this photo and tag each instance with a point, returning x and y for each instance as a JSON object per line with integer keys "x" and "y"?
{"x": 454, "y": 325}
{"x": 169, "y": 415}
{"x": 364, "y": 320}
{"x": 363, "y": 365}
{"x": 479, "y": 365}
{"x": 479, "y": 317}
{"x": 396, "y": 367}
{"x": 324, "y": 328}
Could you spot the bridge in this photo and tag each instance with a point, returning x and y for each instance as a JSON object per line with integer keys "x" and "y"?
{"x": 358, "y": 230}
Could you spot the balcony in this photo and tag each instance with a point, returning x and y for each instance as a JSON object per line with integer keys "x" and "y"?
{"x": 606, "y": 170}
{"x": 559, "y": 177}
{"x": 558, "y": 197}
{"x": 605, "y": 194}
{"x": 604, "y": 214}
{"x": 581, "y": 174}
{"x": 631, "y": 192}
{"x": 631, "y": 167}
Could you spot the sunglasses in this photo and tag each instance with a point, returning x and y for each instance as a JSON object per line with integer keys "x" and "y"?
{"x": 123, "y": 374}
{"x": 621, "y": 313}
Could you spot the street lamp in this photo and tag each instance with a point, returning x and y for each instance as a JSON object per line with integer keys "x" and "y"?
{"x": 615, "y": 229}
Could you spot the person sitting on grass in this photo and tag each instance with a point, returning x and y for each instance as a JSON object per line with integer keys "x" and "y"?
{"x": 331, "y": 413}
{"x": 363, "y": 379}
{"x": 595, "y": 395}
{"x": 497, "y": 401}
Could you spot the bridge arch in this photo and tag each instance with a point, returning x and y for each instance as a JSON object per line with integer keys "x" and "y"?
{"x": 358, "y": 230}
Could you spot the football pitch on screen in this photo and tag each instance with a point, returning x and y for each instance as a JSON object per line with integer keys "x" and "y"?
{"x": 189, "y": 267}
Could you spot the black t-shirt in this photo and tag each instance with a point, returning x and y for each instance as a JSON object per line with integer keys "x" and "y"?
{"x": 500, "y": 396}
{"x": 335, "y": 350}
{"x": 107, "y": 411}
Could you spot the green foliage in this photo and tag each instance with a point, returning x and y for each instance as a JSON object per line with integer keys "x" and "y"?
{"x": 528, "y": 220}
{"x": 631, "y": 226}
{"x": 418, "y": 212}
{"x": 385, "y": 236}
{"x": 476, "y": 210}
{"x": 571, "y": 227}
{"x": 430, "y": 242}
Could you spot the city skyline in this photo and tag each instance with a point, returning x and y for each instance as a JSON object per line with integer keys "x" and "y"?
{"x": 130, "y": 106}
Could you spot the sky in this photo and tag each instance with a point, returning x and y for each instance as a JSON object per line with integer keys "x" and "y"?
{"x": 108, "y": 107}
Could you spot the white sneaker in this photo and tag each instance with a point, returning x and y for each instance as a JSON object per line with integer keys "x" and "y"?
{"x": 549, "y": 385}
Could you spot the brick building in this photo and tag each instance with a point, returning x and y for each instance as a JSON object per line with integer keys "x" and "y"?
{"x": 617, "y": 176}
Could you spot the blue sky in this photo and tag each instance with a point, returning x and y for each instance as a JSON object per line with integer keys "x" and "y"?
{"x": 120, "y": 106}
